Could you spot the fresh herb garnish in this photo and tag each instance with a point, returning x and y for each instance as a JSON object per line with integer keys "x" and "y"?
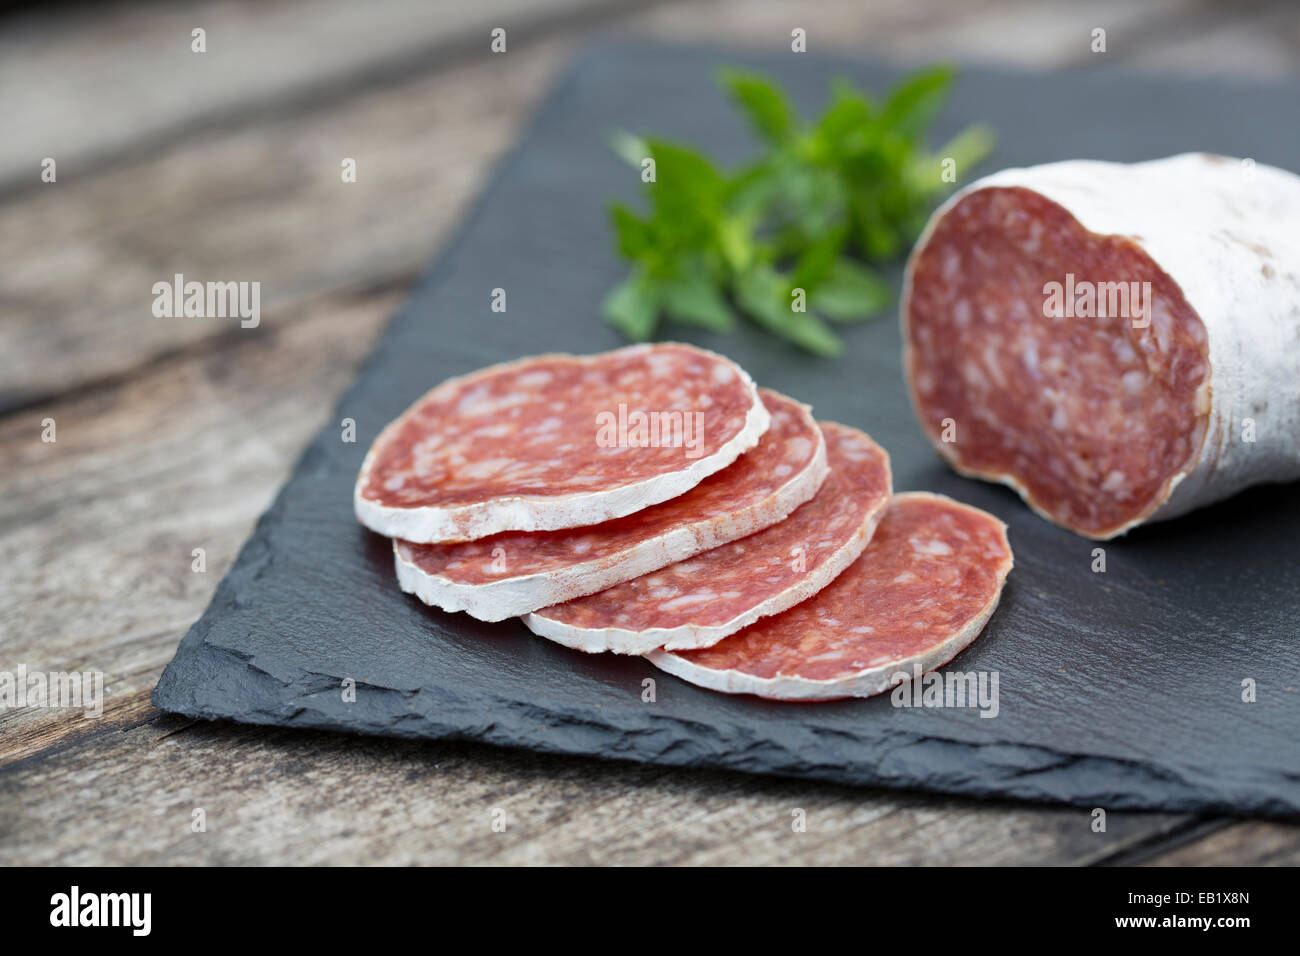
{"x": 784, "y": 239}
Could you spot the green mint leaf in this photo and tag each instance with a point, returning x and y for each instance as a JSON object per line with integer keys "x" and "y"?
{"x": 694, "y": 300}
{"x": 735, "y": 241}
{"x": 687, "y": 194}
{"x": 850, "y": 292}
{"x": 967, "y": 149}
{"x": 860, "y": 180}
{"x": 685, "y": 170}
{"x": 633, "y": 234}
{"x": 848, "y": 125}
{"x": 763, "y": 102}
{"x": 811, "y": 334}
{"x": 754, "y": 188}
{"x": 912, "y": 104}
{"x": 812, "y": 199}
{"x": 817, "y": 260}
{"x": 877, "y": 239}
{"x": 632, "y": 307}
{"x": 762, "y": 293}
{"x": 633, "y": 150}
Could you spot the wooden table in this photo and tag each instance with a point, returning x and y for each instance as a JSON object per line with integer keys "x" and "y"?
{"x": 174, "y": 434}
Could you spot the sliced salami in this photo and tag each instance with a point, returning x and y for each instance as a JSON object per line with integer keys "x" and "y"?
{"x": 697, "y": 602}
{"x": 1118, "y": 343}
{"x": 511, "y": 574}
{"x": 921, "y": 592}
{"x": 557, "y": 441}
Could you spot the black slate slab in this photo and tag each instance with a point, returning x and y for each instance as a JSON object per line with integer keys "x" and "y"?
{"x": 1120, "y": 690}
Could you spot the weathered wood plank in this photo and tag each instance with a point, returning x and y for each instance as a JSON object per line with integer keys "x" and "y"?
{"x": 1039, "y": 34}
{"x": 265, "y": 203}
{"x": 85, "y": 86}
{"x": 1255, "y": 843}
{"x": 27, "y": 738}
{"x": 1259, "y": 39}
{"x": 273, "y": 796}
{"x": 97, "y": 529}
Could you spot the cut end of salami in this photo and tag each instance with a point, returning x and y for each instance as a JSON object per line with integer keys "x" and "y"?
{"x": 920, "y": 593}
{"x": 1119, "y": 343}
{"x": 510, "y": 574}
{"x": 1092, "y": 417}
{"x": 698, "y": 602}
{"x": 557, "y": 441}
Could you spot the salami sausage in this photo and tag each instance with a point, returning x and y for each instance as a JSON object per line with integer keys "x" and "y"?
{"x": 511, "y": 574}
{"x": 698, "y": 602}
{"x": 920, "y": 593}
{"x": 557, "y": 441}
{"x": 1119, "y": 343}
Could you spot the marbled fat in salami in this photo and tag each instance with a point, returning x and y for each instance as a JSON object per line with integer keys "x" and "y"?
{"x": 510, "y": 574}
{"x": 698, "y": 602}
{"x": 920, "y": 593}
{"x": 557, "y": 441}
{"x": 1118, "y": 343}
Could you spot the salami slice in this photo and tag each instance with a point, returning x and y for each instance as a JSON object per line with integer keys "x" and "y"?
{"x": 557, "y": 441}
{"x": 1118, "y": 343}
{"x": 511, "y": 574}
{"x": 698, "y": 602}
{"x": 920, "y": 594}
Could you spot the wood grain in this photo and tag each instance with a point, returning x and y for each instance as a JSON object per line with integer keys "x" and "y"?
{"x": 175, "y": 434}
{"x": 116, "y": 81}
{"x": 264, "y": 203}
{"x": 274, "y": 796}
{"x": 97, "y": 530}
{"x": 1038, "y": 34}
{"x": 1256, "y": 842}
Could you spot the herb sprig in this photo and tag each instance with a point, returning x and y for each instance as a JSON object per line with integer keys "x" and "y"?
{"x": 784, "y": 239}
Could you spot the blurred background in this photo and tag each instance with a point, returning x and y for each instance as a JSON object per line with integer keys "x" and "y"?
{"x": 224, "y": 163}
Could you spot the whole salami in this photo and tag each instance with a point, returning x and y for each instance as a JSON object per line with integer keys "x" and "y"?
{"x": 698, "y": 602}
{"x": 921, "y": 593}
{"x": 509, "y": 574}
{"x": 557, "y": 441}
{"x": 1119, "y": 343}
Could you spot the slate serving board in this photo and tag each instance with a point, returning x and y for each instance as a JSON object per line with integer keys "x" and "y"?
{"x": 1119, "y": 690}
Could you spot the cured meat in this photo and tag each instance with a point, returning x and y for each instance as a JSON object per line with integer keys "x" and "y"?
{"x": 511, "y": 574}
{"x": 1118, "y": 343}
{"x": 698, "y": 602}
{"x": 557, "y": 441}
{"x": 920, "y": 593}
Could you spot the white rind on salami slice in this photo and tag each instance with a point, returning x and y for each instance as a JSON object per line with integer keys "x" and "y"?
{"x": 513, "y": 573}
{"x": 514, "y": 447}
{"x": 697, "y": 602}
{"x": 1225, "y": 232}
{"x": 920, "y": 594}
